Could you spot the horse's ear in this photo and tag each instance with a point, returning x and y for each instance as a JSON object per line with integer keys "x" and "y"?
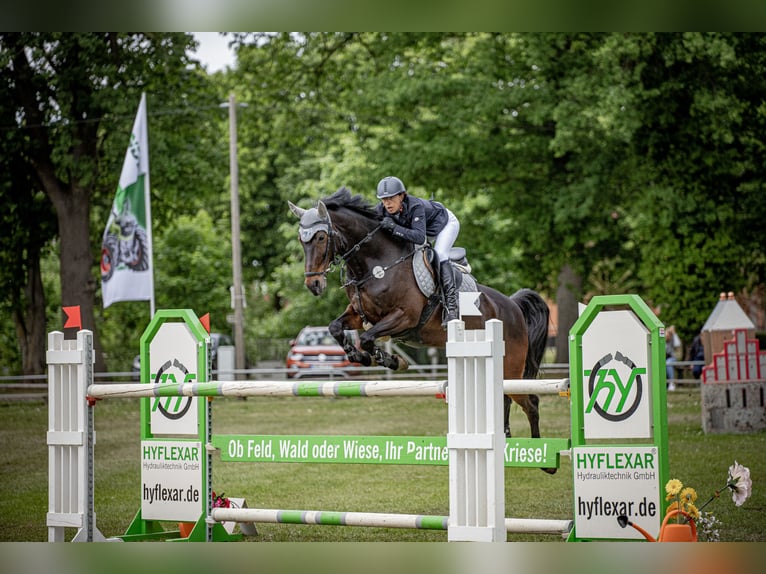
{"x": 298, "y": 211}
{"x": 322, "y": 211}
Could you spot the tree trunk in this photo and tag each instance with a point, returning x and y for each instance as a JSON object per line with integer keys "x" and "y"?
{"x": 78, "y": 284}
{"x": 29, "y": 319}
{"x": 568, "y": 295}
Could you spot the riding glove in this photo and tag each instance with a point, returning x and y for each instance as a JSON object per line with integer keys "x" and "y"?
{"x": 388, "y": 224}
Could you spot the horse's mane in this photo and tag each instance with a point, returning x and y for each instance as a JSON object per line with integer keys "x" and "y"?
{"x": 356, "y": 203}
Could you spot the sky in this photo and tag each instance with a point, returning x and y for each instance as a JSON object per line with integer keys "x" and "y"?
{"x": 213, "y": 51}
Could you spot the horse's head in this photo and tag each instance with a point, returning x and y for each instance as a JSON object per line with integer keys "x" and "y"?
{"x": 325, "y": 241}
{"x": 318, "y": 248}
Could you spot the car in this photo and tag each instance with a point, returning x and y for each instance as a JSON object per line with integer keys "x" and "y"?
{"x": 316, "y": 353}
{"x": 216, "y": 340}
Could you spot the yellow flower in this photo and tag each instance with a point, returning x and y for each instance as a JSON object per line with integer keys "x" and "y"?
{"x": 692, "y": 511}
{"x": 688, "y": 495}
{"x": 673, "y": 487}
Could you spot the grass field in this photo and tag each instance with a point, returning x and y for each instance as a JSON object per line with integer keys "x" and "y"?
{"x": 696, "y": 459}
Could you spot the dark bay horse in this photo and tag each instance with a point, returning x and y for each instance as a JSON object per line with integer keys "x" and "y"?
{"x": 385, "y": 301}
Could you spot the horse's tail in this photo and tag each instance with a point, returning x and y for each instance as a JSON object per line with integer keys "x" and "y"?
{"x": 536, "y": 315}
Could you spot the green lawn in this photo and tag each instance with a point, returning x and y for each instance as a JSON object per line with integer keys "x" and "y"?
{"x": 696, "y": 459}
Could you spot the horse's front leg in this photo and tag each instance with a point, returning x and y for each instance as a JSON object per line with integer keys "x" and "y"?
{"x": 350, "y": 320}
{"x": 389, "y": 325}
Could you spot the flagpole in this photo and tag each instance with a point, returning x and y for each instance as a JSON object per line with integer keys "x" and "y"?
{"x": 237, "y": 299}
{"x": 148, "y": 203}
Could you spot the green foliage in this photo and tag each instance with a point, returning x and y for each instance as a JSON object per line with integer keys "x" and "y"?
{"x": 635, "y": 159}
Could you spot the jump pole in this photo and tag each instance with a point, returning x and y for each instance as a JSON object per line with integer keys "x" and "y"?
{"x": 377, "y": 520}
{"x": 281, "y": 388}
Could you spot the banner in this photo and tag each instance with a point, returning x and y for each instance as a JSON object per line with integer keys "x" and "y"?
{"x": 126, "y": 249}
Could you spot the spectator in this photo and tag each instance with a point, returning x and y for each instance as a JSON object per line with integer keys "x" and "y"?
{"x": 697, "y": 353}
{"x": 672, "y": 348}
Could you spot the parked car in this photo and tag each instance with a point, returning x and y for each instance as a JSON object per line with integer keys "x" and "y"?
{"x": 216, "y": 340}
{"x": 316, "y": 353}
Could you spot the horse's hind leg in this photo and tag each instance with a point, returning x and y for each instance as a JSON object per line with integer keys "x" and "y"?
{"x": 393, "y": 362}
{"x": 530, "y": 404}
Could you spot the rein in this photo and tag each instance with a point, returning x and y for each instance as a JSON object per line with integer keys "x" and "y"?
{"x": 340, "y": 259}
{"x": 359, "y": 282}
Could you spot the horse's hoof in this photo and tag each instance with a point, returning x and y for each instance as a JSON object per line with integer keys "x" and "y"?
{"x": 549, "y": 470}
{"x": 403, "y": 365}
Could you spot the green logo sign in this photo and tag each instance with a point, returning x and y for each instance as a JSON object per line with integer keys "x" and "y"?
{"x": 605, "y": 384}
{"x": 172, "y": 407}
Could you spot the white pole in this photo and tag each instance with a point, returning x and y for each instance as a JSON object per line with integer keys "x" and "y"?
{"x": 236, "y": 257}
{"x": 148, "y": 203}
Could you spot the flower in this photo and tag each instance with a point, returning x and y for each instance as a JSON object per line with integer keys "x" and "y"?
{"x": 673, "y": 487}
{"x": 707, "y": 527}
{"x": 684, "y": 498}
{"x": 739, "y": 482}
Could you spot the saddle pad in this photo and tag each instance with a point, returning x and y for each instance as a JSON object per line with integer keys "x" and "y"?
{"x": 425, "y": 278}
{"x": 423, "y": 274}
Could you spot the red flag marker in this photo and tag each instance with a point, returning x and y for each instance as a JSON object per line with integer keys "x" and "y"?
{"x": 205, "y": 320}
{"x": 72, "y": 317}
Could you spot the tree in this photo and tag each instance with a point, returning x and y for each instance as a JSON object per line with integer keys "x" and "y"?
{"x": 61, "y": 88}
{"x": 579, "y": 164}
{"x": 698, "y": 220}
{"x": 21, "y": 245}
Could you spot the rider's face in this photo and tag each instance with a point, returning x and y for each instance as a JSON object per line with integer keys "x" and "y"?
{"x": 393, "y": 204}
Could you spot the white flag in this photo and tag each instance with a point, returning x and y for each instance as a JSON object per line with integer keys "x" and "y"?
{"x": 126, "y": 249}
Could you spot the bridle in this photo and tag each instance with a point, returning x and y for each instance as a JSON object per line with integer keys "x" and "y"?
{"x": 331, "y": 260}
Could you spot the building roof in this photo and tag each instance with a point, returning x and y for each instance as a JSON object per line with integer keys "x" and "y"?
{"x": 727, "y": 315}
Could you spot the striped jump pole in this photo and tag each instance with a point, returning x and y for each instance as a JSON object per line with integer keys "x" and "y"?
{"x": 277, "y": 388}
{"x": 536, "y": 387}
{"x": 376, "y": 520}
{"x": 330, "y": 518}
{"x": 271, "y": 389}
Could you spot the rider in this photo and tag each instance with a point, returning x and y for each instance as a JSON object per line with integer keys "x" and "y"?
{"x": 416, "y": 220}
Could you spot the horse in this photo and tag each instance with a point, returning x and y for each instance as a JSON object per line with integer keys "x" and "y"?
{"x": 385, "y": 300}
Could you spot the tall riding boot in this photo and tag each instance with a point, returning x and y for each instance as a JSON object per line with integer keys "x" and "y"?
{"x": 449, "y": 293}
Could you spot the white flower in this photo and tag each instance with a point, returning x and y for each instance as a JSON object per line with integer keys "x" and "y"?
{"x": 740, "y": 483}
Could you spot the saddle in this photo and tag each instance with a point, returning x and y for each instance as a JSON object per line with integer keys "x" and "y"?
{"x": 425, "y": 266}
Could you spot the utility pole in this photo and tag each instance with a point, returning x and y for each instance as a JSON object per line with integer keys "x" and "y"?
{"x": 236, "y": 256}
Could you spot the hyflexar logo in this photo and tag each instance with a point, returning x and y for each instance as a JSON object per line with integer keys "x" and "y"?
{"x": 172, "y": 372}
{"x": 615, "y": 386}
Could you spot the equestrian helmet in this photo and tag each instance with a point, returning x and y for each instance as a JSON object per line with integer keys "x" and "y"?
{"x": 389, "y": 187}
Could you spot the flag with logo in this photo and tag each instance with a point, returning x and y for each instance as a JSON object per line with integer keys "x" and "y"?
{"x": 126, "y": 249}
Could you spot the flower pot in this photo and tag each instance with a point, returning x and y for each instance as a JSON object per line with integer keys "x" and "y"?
{"x": 673, "y": 532}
